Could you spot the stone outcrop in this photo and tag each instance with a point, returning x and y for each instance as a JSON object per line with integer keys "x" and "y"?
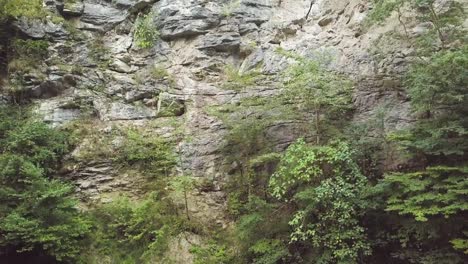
{"x": 181, "y": 77}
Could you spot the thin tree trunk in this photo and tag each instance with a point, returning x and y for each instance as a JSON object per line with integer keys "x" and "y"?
{"x": 186, "y": 204}
{"x": 403, "y": 24}
{"x": 435, "y": 19}
{"x": 317, "y": 124}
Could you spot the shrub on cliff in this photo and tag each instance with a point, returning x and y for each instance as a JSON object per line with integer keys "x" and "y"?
{"x": 37, "y": 213}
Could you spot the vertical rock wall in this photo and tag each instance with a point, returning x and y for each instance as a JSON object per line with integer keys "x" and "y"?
{"x": 94, "y": 66}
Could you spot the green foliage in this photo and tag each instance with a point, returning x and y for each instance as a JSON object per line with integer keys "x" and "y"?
{"x": 159, "y": 72}
{"x": 435, "y": 199}
{"x": 212, "y": 253}
{"x": 261, "y": 232}
{"x": 133, "y": 232}
{"x": 370, "y": 143}
{"x": 440, "y": 84}
{"x": 460, "y": 244}
{"x": 229, "y": 7}
{"x": 236, "y": 80}
{"x": 430, "y": 200}
{"x": 36, "y": 213}
{"x": 99, "y": 53}
{"x": 382, "y": 9}
{"x": 22, "y": 8}
{"x": 446, "y": 25}
{"x": 35, "y": 49}
{"x": 24, "y": 57}
{"x": 435, "y": 191}
{"x": 153, "y": 154}
{"x": 326, "y": 185}
{"x": 181, "y": 186}
{"x": 312, "y": 88}
{"x": 438, "y": 95}
{"x": 145, "y": 33}
{"x": 268, "y": 251}
{"x": 41, "y": 145}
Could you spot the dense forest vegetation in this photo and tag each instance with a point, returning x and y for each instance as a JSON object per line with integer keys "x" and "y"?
{"x": 326, "y": 199}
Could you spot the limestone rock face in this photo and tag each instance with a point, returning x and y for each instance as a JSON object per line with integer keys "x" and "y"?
{"x": 36, "y": 29}
{"x": 95, "y": 67}
{"x": 101, "y": 16}
{"x": 183, "y": 19}
{"x": 73, "y": 9}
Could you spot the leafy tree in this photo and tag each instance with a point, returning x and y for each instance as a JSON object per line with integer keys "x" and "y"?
{"x": 312, "y": 88}
{"x": 424, "y": 215}
{"x": 435, "y": 191}
{"x": 36, "y": 213}
{"x": 426, "y": 205}
{"x": 438, "y": 95}
{"x": 261, "y": 233}
{"x": 182, "y": 185}
{"x": 445, "y": 25}
{"x": 268, "y": 251}
{"x": 132, "y": 231}
{"x": 326, "y": 186}
{"x": 212, "y": 253}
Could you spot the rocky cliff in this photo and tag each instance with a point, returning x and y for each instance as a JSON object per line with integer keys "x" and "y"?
{"x": 97, "y": 77}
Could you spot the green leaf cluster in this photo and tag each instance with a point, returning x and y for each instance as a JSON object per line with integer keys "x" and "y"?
{"x": 326, "y": 186}
{"x": 153, "y": 154}
{"x": 437, "y": 89}
{"x": 312, "y": 88}
{"x": 37, "y": 213}
{"x": 435, "y": 191}
{"x": 129, "y": 231}
{"x": 22, "y": 8}
{"x": 145, "y": 32}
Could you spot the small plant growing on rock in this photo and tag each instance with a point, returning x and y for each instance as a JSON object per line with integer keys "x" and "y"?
{"x": 22, "y": 8}
{"x": 237, "y": 80}
{"x": 145, "y": 31}
{"x": 229, "y": 7}
{"x": 153, "y": 154}
{"x": 182, "y": 185}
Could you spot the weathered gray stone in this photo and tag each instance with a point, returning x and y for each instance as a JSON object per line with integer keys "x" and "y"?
{"x": 221, "y": 42}
{"x": 102, "y": 16}
{"x": 73, "y": 9}
{"x": 183, "y": 21}
{"x": 37, "y": 29}
{"x": 120, "y": 66}
{"x": 325, "y": 21}
{"x": 246, "y": 35}
{"x": 169, "y": 105}
{"x": 59, "y": 111}
{"x": 133, "y": 5}
{"x": 120, "y": 111}
{"x": 139, "y": 94}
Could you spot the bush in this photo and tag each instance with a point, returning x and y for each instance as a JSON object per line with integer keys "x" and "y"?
{"x": 153, "y": 154}
{"x": 36, "y": 212}
{"x": 133, "y": 232}
{"x": 22, "y": 8}
{"x": 326, "y": 186}
{"x": 237, "y": 80}
{"x": 211, "y": 253}
{"x": 36, "y": 49}
{"x": 145, "y": 33}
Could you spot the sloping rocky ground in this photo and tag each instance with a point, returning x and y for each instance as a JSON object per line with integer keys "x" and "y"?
{"x": 95, "y": 69}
